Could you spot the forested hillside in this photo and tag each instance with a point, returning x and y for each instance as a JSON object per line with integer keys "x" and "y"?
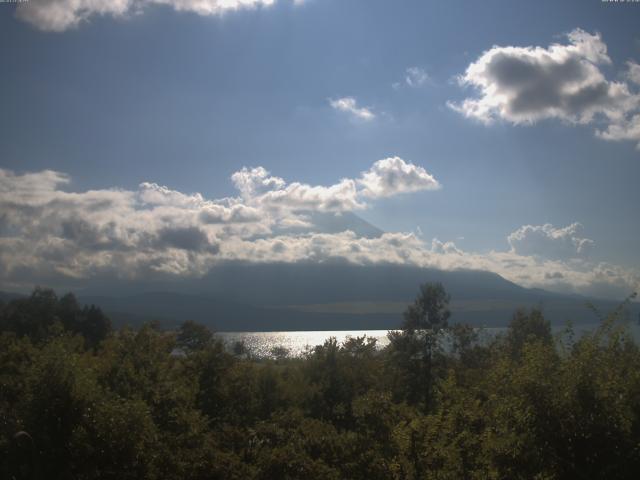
{"x": 79, "y": 400}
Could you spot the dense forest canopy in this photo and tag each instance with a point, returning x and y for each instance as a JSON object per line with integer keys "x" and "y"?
{"x": 80, "y": 400}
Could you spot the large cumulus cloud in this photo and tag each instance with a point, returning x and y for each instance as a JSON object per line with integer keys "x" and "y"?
{"x": 565, "y": 81}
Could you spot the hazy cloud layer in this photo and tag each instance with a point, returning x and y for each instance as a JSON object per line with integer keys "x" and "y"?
{"x": 350, "y": 106}
{"x": 60, "y": 15}
{"x": 524, "y": 85}
{"x": 48, "y": 235}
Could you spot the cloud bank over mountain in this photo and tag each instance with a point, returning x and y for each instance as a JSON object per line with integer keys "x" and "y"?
{"x": 524, "y": 85}
{"x": 47, "y": 231}
{"x": 48, "y": 234}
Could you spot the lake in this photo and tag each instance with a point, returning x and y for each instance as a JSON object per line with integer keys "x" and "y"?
{"x": 260, "y": 344}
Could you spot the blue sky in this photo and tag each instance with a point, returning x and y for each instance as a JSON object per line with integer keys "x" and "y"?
{"x": 183, "y": 99}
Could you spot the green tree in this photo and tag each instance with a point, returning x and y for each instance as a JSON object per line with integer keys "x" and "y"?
{"x": 414, "y": 348}
{"x": 430, "y": 309}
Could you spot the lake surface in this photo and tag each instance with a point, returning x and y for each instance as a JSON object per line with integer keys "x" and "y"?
{"x": 261, "y": 344}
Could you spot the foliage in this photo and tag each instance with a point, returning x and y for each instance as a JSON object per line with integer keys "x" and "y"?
{"x": 430, "y": 310}
{"x": 161, "y": 405}
{"x": 416, "y": 348}
{"x": 42, "y": 315}
{"x": 193, "y": 336}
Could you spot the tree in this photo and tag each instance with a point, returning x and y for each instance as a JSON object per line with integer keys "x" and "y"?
{"x": 430, "y": 309}
{"x": 415, "y": 346}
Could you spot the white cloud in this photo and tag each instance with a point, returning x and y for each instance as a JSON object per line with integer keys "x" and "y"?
{"x": 549, "y": 242}
{"x": 386, "y": 177}
{"x": 256, "y": 181}
{"x": 45, "y": 230}
{"x": 444, "y": 247}
{"x": 210, "y": 7}
{"x": 155, "y": 194}
{"x": 416, "y": 77}
{"x": 321, "y": 247}
{"x": 524, "y": 85}
{"x": 633, "y": 72}
{"x": 393, "y": 175}
{"x": 349, "y": 105}
{"x": 60, "y": 15}
{"x": 259, "y": 188}
{"x": 30, "y": 187}
{"x": 299, "y": 196}
{"x": 623, "y": 129}
{"x": 237, "y": 213}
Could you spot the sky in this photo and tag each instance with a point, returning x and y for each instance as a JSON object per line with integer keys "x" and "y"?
{"x": 144, "y": 138}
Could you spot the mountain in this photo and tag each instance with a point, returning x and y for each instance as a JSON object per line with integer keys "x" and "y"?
{"x": 262, "y": 297}
{"x": 287, "y": 283}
